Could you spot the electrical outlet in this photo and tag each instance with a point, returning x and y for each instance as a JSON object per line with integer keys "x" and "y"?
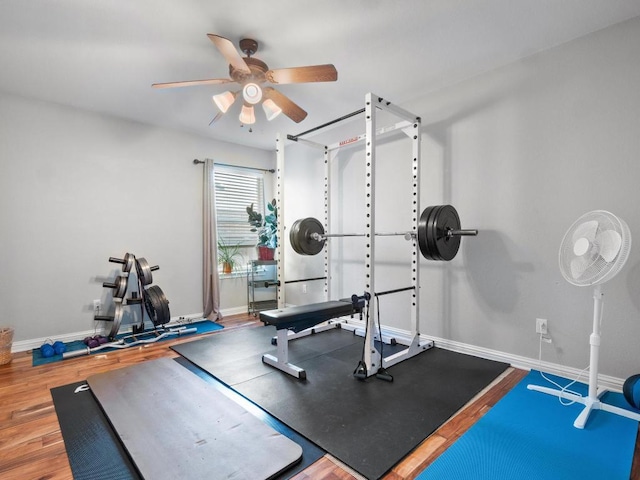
{"x": 96, "y": 305}
{"x": 304, "y": 288}
{"x": 541, "y": 326}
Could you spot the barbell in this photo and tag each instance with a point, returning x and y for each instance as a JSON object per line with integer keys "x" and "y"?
{"x": 438, "y": 234}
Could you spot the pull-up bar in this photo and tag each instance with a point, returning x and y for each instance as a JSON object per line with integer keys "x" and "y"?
{"x": 319, "y": 127}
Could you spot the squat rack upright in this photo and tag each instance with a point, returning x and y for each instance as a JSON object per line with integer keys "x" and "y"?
{"x": 409, "y": 124}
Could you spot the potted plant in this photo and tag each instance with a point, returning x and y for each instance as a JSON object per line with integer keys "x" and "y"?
{"x": 267, "y": 229}
{"x": 228, "y": 255}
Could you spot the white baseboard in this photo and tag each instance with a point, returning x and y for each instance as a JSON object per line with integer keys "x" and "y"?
{"x": 33, "y": 343}
{"x": 234, "y": 311}
{"x": 518, "y": 361}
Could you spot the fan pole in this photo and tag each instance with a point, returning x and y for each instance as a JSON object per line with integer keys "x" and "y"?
{"x": 594, "y": 341}
{"x": 592, "y": 400}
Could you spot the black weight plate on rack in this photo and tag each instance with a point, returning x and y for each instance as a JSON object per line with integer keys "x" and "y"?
{"x": 446, "y": 245}
{"x": 157, "y": 305}
{"x": 432, "y": 233}
{"x": 293, "y": 236}
{"x": 424, "y": 232}
{"x": 301, "y": 236}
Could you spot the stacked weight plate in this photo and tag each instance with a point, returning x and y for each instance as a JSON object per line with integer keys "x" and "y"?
{"x": 152, "y": 299}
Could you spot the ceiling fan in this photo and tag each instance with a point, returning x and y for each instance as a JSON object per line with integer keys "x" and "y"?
{"x": 251, "y": 73}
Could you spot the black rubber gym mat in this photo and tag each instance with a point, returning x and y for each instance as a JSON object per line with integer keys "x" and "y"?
{"x": 368, "y": 425}
{"x": 240, "y": 359}
{"x": 93, "y": 448}
{"x": 95, "y": 451}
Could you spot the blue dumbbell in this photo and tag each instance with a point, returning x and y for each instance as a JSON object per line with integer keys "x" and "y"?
{"x": 47, "y": 350}
{"x": 59, "y": 347}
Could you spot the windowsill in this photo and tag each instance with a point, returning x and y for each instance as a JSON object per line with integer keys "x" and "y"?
{"x": 243, "y": 271}
{"x": 235, "y": 274}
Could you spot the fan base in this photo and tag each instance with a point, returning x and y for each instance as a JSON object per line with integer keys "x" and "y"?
{"x": 590, "y": 404}
{"x": 248, "y": 46}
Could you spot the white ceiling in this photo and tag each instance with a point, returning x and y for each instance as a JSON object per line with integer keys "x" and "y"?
{"x": 104, "y": 55}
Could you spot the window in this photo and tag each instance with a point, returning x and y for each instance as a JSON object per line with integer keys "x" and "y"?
{"x": 235, "y": 190}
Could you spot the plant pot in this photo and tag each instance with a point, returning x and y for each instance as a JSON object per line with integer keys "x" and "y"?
{"x": 265, "y": 253}
{"x": 227, "y": 267}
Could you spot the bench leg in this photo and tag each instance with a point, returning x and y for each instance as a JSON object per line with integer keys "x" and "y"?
{"x": 281, "y": 362}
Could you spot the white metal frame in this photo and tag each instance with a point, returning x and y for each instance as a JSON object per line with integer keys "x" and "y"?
{"x": 409, "y": 124}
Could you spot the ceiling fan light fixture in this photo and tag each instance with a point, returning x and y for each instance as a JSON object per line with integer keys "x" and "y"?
{"x": 252, "y": 93}
{"x": 247, "y": 115}
{"x": 271, "y": 110}
{"x": 224, "y": 100}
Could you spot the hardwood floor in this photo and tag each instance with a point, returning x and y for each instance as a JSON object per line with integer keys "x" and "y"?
{"x": 31, "y": 445}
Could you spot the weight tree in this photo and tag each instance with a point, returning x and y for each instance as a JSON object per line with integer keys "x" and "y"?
{"x": 409, "y": 124}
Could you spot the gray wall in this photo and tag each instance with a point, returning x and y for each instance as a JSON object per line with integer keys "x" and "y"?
{"x": 77, "y": 188}
{"x": 521, "y": 152}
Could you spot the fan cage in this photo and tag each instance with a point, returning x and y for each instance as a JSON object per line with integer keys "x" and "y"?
{"x": 598, "y": 270}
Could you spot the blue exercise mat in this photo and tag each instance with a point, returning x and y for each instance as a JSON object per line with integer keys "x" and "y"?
{"x": 204, "y": 326}
{"x": 530, "y": 435}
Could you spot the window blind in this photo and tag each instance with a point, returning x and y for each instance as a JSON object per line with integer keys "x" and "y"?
{"x": 235, "y": 190}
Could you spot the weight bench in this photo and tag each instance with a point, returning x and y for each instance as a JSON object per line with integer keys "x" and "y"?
{"x": 298, "y": 319}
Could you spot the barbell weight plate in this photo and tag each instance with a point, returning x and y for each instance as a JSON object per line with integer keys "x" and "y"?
{"x": 157, "y": 305}
{"x": 119, "y": 286}
{"x": 301, "y": 236}
{"x": 433, "y": 252}
{"x": 117, "y": 320}
{"x": 308, "y": 227}
{"x": 144, "y": 272}
{"x": 129, "y": 260}
{"x": 422, "y": 231}
{"x": 293, "y": 236}
{"x": 446, "y": 245}
{"x": 424, "y": 236}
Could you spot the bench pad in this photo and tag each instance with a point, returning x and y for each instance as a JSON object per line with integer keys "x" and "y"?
{"x": 301, "y": 317}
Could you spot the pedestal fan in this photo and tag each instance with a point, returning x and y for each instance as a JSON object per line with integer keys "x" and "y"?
{"x": 593, "y": 251}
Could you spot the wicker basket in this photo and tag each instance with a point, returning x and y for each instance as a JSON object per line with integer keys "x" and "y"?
{"x": 6, "y": 341}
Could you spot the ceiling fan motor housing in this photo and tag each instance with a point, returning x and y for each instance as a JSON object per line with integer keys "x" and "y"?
{"x": 258, "y": 72}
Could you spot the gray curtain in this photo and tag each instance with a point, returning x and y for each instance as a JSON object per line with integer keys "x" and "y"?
{"x": 211, "y": 279}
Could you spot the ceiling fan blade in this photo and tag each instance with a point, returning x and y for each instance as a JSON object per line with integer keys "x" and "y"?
{"x": 312, "y": 73}
{"x": 290, "y": 109}
{"x": 229, "y": 52}
{"x": 190, "y": 83}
